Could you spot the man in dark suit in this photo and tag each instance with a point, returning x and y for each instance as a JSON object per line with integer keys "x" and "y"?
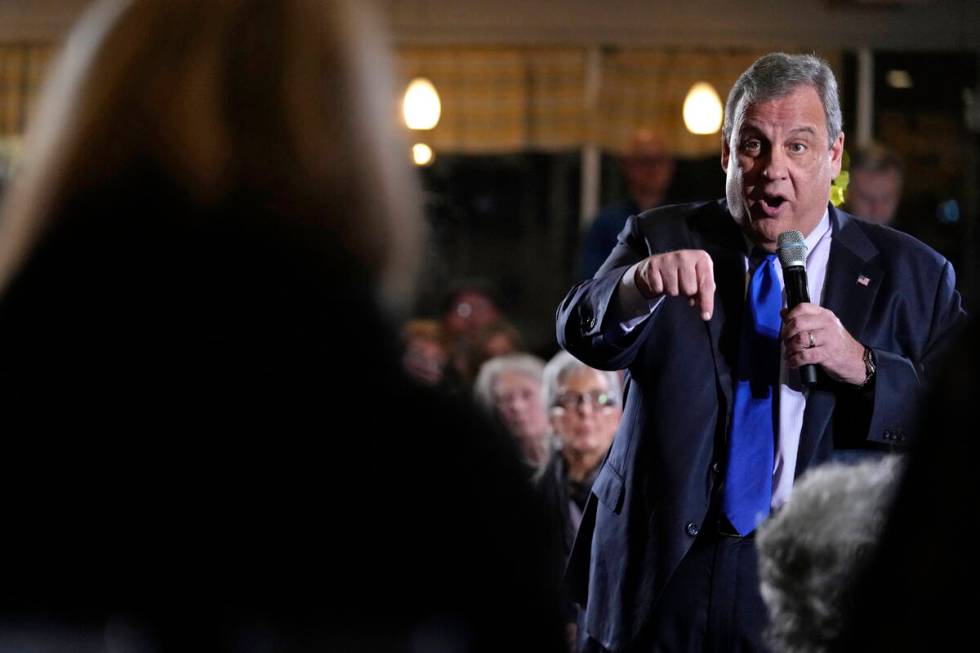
{"x": 660, "y": 562}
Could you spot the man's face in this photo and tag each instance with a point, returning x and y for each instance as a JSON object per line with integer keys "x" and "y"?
{"x": 648, "y": 175}
{"x": 779, "y": 166}
{"x": 648, "y": 169}
{"x": 874, "y": 194}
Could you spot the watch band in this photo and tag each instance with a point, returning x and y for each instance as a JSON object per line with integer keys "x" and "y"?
{"x": 870, "y": 366}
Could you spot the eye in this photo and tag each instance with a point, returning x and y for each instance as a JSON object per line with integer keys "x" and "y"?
{"x": 797, "y": 147}
{"x": 751, "y": 145}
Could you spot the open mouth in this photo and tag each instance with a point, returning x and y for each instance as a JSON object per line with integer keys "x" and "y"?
{"x": 770, "y": 203}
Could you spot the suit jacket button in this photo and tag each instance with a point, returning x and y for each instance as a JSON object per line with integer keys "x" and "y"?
{"x": 716, "y": 467}
{"x": 691, "y": 528}
{"x": 590, "y": 322}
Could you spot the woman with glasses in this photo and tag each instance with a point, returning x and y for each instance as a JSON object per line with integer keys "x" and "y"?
{"x": 584, "y": 406}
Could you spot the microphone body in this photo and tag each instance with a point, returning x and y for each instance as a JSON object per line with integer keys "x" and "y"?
{"x": 792, "y": 257}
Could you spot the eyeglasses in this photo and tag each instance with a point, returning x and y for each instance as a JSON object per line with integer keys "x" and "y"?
{"x": 597, "y": 398}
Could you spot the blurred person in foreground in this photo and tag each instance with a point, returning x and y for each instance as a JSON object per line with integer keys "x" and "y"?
{"x": 915, "y": 593}
{"x": 874, "y": 189}
{"x": 510, "y": 388}
{"x": 862, "y": 557}
{"x": 814, "y": 547}
{"x": 201, "y": 266}
{"x": 648, "y": 170}
{"x": 717, "y": 423}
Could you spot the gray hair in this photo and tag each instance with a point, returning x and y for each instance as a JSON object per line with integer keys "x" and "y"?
{"x": 811, "y": 550}
{"x": 529, "y": 365}
{"x": 561, "y": 366}
{"x": 777, "y": 74}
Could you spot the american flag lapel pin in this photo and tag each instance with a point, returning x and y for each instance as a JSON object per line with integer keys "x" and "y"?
{"x": 863, "y": 280}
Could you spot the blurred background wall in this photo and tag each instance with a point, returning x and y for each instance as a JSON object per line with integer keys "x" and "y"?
{"x": 538, "y": 99}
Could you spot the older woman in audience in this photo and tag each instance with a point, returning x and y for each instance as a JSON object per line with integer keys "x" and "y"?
{"x": 585, "y": 407}
{"x": 510, "y": 387}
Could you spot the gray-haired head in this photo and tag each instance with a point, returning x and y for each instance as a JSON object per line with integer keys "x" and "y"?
{"x": 561, "y": 366}
{"x": 812, "y": 549}
{"x": 527, "y": 364}
{"x": 777, "y": 74}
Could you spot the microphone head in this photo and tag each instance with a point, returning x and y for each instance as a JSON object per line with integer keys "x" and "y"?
{"x": 791, "y": 249}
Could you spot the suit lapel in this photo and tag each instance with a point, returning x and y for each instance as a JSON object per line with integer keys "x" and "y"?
{"x": 852, "y": 282}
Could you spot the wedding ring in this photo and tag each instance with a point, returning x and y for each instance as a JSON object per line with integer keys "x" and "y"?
{"x": 812, "y": 343}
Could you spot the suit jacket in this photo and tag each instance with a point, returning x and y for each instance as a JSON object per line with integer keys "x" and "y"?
{"x": 654, "y": 491}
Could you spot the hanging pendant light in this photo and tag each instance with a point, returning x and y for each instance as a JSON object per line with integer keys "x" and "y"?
{"x": 421, "y": 107}
{"x": 702, "y": 109}
{"x": 422, "y": 155}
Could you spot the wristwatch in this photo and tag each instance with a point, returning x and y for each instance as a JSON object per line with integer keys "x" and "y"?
{"x": 870, "y": 366}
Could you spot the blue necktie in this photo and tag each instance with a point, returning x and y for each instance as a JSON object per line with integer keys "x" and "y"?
{"x": 748, "y": 481}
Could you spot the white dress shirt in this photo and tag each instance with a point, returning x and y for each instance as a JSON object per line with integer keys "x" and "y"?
{"x": 792, "y": 394}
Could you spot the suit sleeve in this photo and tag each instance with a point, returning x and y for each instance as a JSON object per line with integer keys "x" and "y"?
{"x": 900, "y": 382}
{"x": 588, "y": 318}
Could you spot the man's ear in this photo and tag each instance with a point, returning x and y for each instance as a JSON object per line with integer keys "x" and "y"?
{"x": 725, "y": 153}
{"x": 837, "y": 154}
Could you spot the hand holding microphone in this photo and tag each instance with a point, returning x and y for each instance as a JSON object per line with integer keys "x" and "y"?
{"x": 813, "y": 335}
{"x": 791, "y": 249}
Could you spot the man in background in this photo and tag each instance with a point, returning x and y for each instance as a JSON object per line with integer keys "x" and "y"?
{"x": 875, "y": 187}
{"x": 649, "y": 171}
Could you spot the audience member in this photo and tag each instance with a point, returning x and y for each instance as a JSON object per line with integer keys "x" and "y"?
{"x": 205, "y": 250}
{"x": 496, "y": 339}
{"x": 874, "y": 189}
{"x": 467, "y": 308}
{"x": 510, "y": 387}
{"x": 811, "y": 550}
{"x": 856, "y": 559}
{"x": 584, "y": 406}
{"x": 648, "y": 170}
{"x": 916, "y": 593}
{"x": 425, "y": 356}
{"x": 876, "y": 192}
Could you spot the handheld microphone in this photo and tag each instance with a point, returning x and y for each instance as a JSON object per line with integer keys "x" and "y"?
{"x": 792, "y": 256}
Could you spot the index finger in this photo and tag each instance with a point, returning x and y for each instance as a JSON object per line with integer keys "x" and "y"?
{"x": 706, "y": 286}
{"x": 803, "y": 308}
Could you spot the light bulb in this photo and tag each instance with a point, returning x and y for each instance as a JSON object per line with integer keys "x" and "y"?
{"x": 422, "y": 154}
{"x": 702, "y": 109}
{"x": 421, "y": 107}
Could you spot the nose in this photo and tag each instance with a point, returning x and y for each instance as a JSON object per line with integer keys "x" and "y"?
{"x": 774, "y": 165}
{"x": 513, "y": 404}
{"x": 586, "y": 405}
